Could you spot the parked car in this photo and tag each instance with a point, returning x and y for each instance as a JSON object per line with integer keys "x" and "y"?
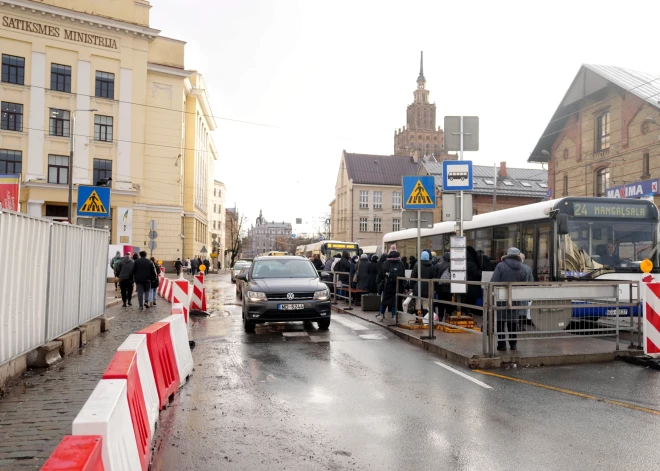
{"x": 240, "y": 283}
{"x": 284, "y": 289}
{"x": 237, "y": 268}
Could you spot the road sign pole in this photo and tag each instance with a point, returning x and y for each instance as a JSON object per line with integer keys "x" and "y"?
{"x": 419, "y": 262}
{"x": 460, "y": 209}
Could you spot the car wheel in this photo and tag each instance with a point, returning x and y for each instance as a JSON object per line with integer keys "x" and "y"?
{"x": 324, "y": 324}
{"x": 247, "y": 325}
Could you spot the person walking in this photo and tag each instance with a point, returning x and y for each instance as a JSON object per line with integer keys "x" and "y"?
{"x": 391, "y": 269}
{"x": 144, "y": 272}
{"x": 156, "y": 282}
{"x": 509, "y": 270}
{"x": 187, "y": 266}
{"x": 125, "y": 274}
{"x": 114, "y": 263}
{"x": 177, "y": 266}
{"x": 207, "y": 264}
{"x": 372, "y": 283}
{"x": 194, "y": 266}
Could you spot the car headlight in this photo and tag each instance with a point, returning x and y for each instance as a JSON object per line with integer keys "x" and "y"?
{"x": 256, "y": 296}
{"x": 322, "y": 295}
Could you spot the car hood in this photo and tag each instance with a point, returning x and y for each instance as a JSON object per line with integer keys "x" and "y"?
{"x": 278, "y": 285}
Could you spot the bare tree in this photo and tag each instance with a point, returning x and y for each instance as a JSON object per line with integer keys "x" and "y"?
{"x": 235, "y": 228}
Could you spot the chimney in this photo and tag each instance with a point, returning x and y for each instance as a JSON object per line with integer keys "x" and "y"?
{"x": 415, "y": 155}
{"x": 502, "y": 173}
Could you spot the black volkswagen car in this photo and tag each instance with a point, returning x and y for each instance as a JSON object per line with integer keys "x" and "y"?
{"x": 284, "y": 289}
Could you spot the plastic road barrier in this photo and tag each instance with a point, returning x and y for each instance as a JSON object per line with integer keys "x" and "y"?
{"x": 76, "y": 453}
{"x": 106, "y": 413}
{"x": 138, "y": 344}
{"x": 198, "y": 298}
{"x": 180, "y": 296}
{"x": 161, "y": 285}
{"x": 163, "y": 361}
{"x": 168, "y": 293}
{"x": 182, "y": 353}
{"x": 652, "y": 320}
{"x": 124, "y": 366}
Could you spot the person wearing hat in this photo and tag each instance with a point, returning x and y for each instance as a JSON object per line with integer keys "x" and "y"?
{"x": 426, "y": 274}
{"x": 362, "y": 272}
{"x": 391, "y": 269}
{"x": 511, "y": 269}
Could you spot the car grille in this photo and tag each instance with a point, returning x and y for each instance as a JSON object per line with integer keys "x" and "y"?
{"x": 296, "y": 296}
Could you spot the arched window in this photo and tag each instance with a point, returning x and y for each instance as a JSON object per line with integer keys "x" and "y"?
{"x": 428, "y": 146}
{"x": 602, "y": 181}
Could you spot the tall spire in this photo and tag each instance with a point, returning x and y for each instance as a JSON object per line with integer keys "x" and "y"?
{"x": 421, "y": 68}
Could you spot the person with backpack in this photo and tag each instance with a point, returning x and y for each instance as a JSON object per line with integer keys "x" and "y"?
{"x": 511, "y": 269}
{"x": 391, "y": 269}
{"x": 114, "y": 263}
{"x": 442, "y": 271}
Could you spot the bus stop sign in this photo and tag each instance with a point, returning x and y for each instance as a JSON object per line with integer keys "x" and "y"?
{"x": 456, "y": 175}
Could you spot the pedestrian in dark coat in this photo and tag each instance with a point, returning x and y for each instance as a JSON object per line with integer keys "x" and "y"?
{"x": 363, "y": 272}
{"x": 381, "y": 260}
{"x": 125, "y": 274}
{"x": 316, "y": 260}
{"x": 352, "y": 272}
{"x": 177, "y": 266}
{"x": 372, "y": 283}
{"x": 194, "y": 266}
{"x": 207, "y": 264}
{"x": 510, "y": 270}
{"x": 473, "y": 274}
{"x": 411, "y": 261}
{"x": 404, "y": 260}
{"x": 144, "y": 272}
{"x": 391, "y": 269}
{"x": 154, "y": 283}
{"x": 328, "y": 264}
{"x": 114, "y": 263}
{"x": 426, "y": 274}
{"x": 443, "y": 290}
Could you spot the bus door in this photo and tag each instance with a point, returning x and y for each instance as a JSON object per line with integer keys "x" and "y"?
{"x": 536, "y": 247}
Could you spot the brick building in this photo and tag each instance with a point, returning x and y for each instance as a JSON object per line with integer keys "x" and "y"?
{"x": 604, "y": 137}
{"x": 494, "y": 188}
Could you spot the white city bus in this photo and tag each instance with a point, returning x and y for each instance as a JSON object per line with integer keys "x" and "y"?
{"x": 573, "y": 238}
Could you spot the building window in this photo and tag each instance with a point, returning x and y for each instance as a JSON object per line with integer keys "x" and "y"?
{"x": 13, "y": 69}
{"x": 105, "y": 85}
{"x": 377, "y": 225}
{"x": 59, "y": 122}
{"x": 419, "y": 145}
{"x": 12, "y": 116}
{"x": 565, "y": 154}
{"x": 428, "y": 146}
{"x": 396, "y": 224}
{"x": 57, "y": 212}
{"x": 603, "y": 132}
{"x": 602, "y": 181}
{"x": 435, "y": 147}
{"x": 215, "y": 207}
{"x": 11, "y": 161}
{"x": 364, "y": 199}
{"x": 103, "y": 128}
{"x": 565, "y": 185}
{"x": 378, "y": 199}
{"x": 396, "y": 200}
{"x": 58, "y": 169}
{"x": 646, "y": 165}
{"x": 214, "y": 191}
{"x": 363, "y": 224}
{"x": 102, "y": 169}
{"x": 60, "y": 78}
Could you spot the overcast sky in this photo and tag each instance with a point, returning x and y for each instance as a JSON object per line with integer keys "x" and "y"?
{"x": 320, "y": 77}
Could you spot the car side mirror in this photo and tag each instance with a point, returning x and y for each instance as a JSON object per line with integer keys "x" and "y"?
{"x": 242, "y": 277}
{"x": 562, "y": 224}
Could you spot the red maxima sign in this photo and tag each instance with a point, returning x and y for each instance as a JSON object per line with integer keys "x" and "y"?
{"x": 9, "y": 190}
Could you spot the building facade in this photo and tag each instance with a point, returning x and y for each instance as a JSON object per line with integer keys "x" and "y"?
{"x": 232, "y": 235}
{"x": 98, "y": 73}
{"x": 420, "y": 132}
{"x": 604, "y": 138}
{"x": 218, "y": 217}
{"x": 266, "y": 236}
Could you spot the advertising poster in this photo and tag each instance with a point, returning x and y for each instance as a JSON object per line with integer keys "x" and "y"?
{"x": 9, "y": 192}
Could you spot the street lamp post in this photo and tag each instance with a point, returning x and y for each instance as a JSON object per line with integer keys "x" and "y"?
{"x": 72, "y": 131}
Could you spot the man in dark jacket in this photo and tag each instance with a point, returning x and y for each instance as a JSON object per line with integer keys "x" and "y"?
{"x": 114, "y": 263}
{"x": 443, "y": 290}
{"x": 194, "y": 266}
{"x": 343, "y": 266}
{"x": 372, "y": 283}
{"x": 144, "y": 273}
{"x": 426, "y": 267}
{"x": 328, "y": 264}
{"x": 363, "y": 272}
{"x": 473, "y": 274}
{"x": 391, "y": 269}
{"x": 177, "y": 266}
{"x": 510, "y": 270}
{"x": 125, "y": 274}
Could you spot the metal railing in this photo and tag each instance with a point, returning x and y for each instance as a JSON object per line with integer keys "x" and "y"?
{"x": 52, "y": 279}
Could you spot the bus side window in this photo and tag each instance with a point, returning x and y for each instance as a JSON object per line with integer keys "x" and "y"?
{"x": 542, "y": 272}
{"x": 528, "y": 248}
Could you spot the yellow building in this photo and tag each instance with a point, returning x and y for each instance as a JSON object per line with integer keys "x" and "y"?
{"x": 96, "y": 70}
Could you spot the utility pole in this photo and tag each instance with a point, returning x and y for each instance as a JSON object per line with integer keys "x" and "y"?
{"x": 72, "y": 133}
{"x": 495, "y": 187}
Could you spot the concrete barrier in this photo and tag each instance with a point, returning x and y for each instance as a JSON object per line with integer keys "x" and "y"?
{"x": 138, "y": 343}
{"x": 106, "y": 413}
{"x": 163, "y": 360}
{"x": 182, "y": 353}
{"x": 77, "y": 453}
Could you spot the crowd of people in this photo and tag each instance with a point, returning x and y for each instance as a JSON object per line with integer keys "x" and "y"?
{"x": 139, "y": 271}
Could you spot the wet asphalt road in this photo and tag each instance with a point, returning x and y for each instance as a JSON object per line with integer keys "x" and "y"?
{"x": 357, "y": 397}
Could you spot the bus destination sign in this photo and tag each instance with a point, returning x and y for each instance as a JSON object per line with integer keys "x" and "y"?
{"x": 610, "y": 210}
{"x": 341, "y": 246}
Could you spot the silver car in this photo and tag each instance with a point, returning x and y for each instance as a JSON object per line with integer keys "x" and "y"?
{"x": 237, "y": 268}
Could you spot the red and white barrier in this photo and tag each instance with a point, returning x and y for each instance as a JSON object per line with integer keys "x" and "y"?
{"x": 180, "y": 296}
{"x": 179, "y": 334}
{"x": 198, "y": 298}
{"x": 652, "y": 320}
{"x": 168, "y": 293}
{"x": 138, "y": 343}
{"x": 106, "y": 413}
{"x": 163, "y": 361}
{"x": 161, "y": 285}
{"x": 76, "y": 453}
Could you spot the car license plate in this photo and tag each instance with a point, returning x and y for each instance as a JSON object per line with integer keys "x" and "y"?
{"x": 290, "y": 307}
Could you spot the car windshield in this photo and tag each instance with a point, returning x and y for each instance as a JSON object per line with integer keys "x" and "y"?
{"x": 285, "y": 268}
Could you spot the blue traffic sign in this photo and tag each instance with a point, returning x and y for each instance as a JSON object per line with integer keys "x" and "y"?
{"x": 419, "y": 192}
{"x": 94, "y": 201}
{"x": 457, "y": 175}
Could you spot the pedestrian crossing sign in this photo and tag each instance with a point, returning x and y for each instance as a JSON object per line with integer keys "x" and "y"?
{"x": 94, "y": 201}
{"x": 419, "y": 192}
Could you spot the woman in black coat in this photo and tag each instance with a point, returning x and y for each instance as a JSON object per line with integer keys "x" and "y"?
{"x": 372, "y": 272}
{"x": 363, "y": 272}
{"x": 473, "y": 274}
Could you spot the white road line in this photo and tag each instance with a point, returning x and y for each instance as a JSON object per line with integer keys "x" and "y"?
{"x": 460, "y": 373}
{"x": 349, "y": 324}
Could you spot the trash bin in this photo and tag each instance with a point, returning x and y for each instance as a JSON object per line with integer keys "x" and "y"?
{"x": 370, "y": 302}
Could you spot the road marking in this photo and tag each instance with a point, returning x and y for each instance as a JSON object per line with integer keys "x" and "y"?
{"x": 349, "y": 324}
{"x": 460, "y": 373}
{"x": 295, "y": 334}
{"x": 373, "y": 337}
{"x": 572, "y": 393}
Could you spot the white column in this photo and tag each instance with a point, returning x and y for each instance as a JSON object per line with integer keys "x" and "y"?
{"x": 34, "y": 208}
{"x": 82, "y": 174}
{"x": 124, "y": 125}
{"x": 35, "y": 154}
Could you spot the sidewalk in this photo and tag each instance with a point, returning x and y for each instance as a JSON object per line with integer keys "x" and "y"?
{"x": 37, "y": 412}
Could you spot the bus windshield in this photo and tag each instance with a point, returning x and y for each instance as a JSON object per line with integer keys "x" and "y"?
{"x": 595, "y": 246}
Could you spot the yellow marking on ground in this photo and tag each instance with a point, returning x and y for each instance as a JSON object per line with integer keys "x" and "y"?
{"x": 572, "y": 393}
